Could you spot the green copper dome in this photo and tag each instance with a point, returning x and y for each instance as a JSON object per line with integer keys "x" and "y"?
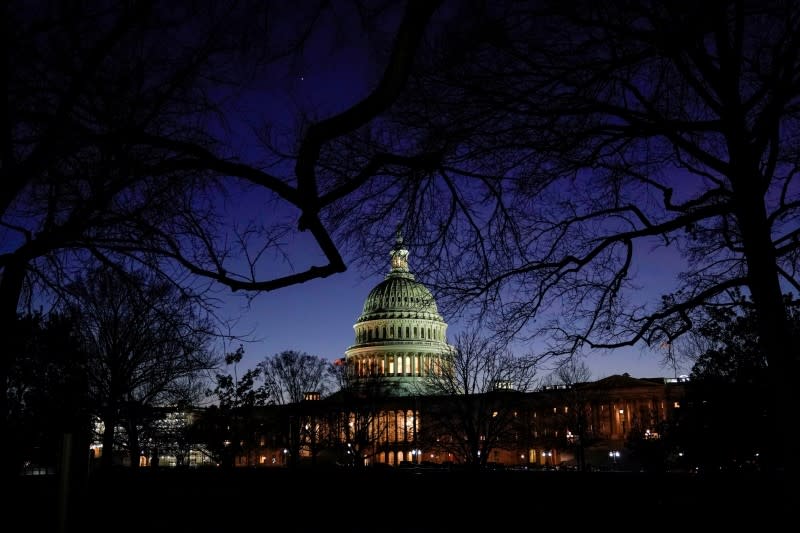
{"x": 400, "y": 337}
{"x": 399, "y": 294}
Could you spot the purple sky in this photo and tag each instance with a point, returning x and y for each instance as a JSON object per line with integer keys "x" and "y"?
{"x": 317, "y": 317}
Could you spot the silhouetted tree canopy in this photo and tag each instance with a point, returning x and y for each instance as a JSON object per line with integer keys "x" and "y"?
{"x": 233, "y": 391}
{"x": 146, "y": 345}
{"x": 125, "y": 125}
{"x": 480, "y": 386}
{"x": 535, "y": 152}
{"x": 728, "y": 340}
{"x": 729, "y": 383}
{"x": 571, "y": 378}
{"x": 573, "y": 142}
{"x": 47, "y": 392}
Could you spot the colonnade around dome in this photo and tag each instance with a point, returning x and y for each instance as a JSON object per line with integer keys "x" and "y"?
{"x": 396, "y": 364}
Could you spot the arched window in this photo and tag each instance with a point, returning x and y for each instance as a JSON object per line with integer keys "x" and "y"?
{"x": 410, "y": 429}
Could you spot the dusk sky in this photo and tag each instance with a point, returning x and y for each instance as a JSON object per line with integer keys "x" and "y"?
{"x": 317, "y": 317}
{"x": 337, "y": 69}
{"x": 223, "y": 225}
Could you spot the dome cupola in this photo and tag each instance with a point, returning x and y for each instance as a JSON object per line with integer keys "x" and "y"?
{"x": 399, "y": 294}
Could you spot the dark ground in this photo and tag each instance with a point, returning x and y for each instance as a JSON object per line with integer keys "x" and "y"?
{"x": 402, "y": 501}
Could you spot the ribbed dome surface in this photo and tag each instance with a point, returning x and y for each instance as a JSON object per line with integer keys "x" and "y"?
{"x": 400, "y": 294}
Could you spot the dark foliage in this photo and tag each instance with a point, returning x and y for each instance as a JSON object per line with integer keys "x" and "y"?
{"x": 47, "y": 392}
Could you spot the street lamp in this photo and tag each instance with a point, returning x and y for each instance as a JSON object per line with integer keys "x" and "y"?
{"x": 614, "y": 455}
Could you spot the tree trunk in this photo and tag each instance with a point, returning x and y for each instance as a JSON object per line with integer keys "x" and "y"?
{"x": 133, "y": 442}
{"x": 11, "y": 281}
{"x": 774, "y": 334}
{"x": 109, "y": 421}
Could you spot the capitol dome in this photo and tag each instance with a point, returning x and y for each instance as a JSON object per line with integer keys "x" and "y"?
{"x": 400, "y": 295}
{"x": 400, "y": 337}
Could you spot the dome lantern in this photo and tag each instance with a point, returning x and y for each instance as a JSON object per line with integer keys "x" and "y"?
{"x": 399, "y": 255}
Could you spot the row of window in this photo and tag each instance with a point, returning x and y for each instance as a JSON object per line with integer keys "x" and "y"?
{"x": 367, "y": 334}
{"x": 419, "y": 365}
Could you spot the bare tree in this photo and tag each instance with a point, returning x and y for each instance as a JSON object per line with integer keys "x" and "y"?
{"x": 572, "y": 377}
{"x": 288, "y": 376}
{"x": 229, "y": 427}
{"x": 118, "y": 142}
{"x": 575, "y": 140}
{"x": 363, "y": 414}
{"x": 145, "y": 344}
{"x": 479, "y": 390}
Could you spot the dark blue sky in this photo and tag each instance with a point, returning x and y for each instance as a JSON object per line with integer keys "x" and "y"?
{"x": 317, "y": 317}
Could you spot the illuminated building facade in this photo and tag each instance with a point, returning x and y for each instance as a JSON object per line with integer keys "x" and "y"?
{"x": 386, "y": 417}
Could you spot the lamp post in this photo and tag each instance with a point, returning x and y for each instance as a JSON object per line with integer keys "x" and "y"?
{"x": 614, "y": 455}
